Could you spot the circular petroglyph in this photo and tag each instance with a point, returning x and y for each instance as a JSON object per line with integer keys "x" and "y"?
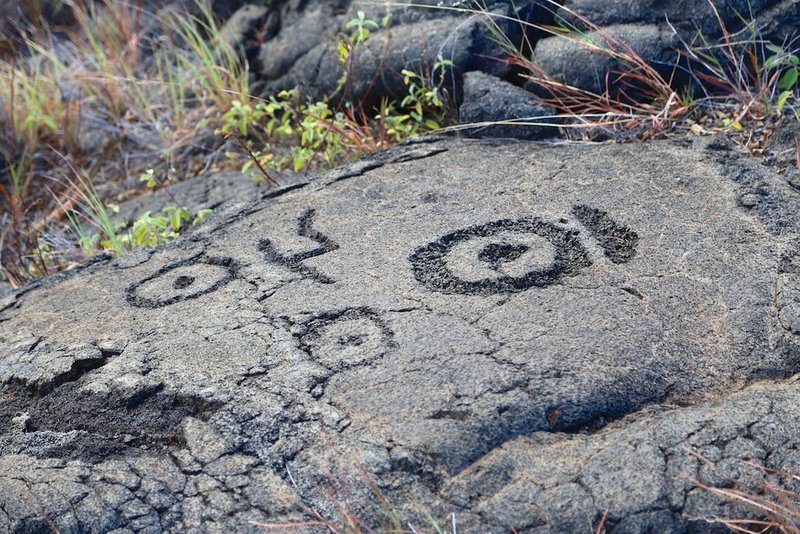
{"x": 182, "y": 280}
{"x": 500, "y": 257}
{"x": 510, "y": 254}
{"x": 347, "y": 338}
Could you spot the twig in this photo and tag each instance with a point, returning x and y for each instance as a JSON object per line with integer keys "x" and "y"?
{"x": 255, "y": 161}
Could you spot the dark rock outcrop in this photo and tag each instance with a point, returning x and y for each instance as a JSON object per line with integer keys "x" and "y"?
{"x": 583, "y": 61}
{"x": 489, "y": 99}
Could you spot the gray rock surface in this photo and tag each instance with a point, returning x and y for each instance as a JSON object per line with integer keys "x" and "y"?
{"x": 300, "y": 45}
{"x": 584, "y": 61}
{"x": 214, "y": 191}
{"x": 246, "y": 28}
{"x": 488, "y": 99}
{"x": 520, "y": 335}
{"x": 301, "y": 50}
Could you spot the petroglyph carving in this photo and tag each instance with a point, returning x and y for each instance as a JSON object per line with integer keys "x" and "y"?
{"x": 305, "y": 228}
{"x": 346, "y": 338}
{"x": 549, "y": 252}
{"x": 183, "y": 280}
{"x": 617, "y": 241}
{"x": 510, "y": 256}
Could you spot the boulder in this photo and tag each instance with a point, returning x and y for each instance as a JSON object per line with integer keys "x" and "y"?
{"x": 488, "y": 99}
{"x": 278, "y": 55}
{"x": 242, "y": 28}
{"x": 689, "y": 16}
{"x": 516, "y": 334}
{"x": 374, "y": 69}
{"x": 595, "y": 60}
{"x": 18, "y": 17}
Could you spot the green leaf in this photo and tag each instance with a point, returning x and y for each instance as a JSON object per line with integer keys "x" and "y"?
{"x": 782, "y": 99}
{"x": 789, "y": 79}
{"x": 201, "y": 215}
{"x": 343, "y": 51}
{"x": 50, "y": 122}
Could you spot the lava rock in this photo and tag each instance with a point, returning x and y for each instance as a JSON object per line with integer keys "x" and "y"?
{"x": 241, "y": 30}
{"x": 374, "y": 70}
{"x": 490, "y": 99}
{"x": 515, "y": 333}
{"x": 686, "y": 15}
{"x": 584, "y": 61}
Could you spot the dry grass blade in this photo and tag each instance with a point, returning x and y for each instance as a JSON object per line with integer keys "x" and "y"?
{"x": 777, "y": 508}
{"x": 111, "y": 95}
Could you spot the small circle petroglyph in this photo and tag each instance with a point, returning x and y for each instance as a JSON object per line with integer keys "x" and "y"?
{"x": 430, "y": 263}
{"x": 346, "y": 338}
{"x": 183, "y": 280}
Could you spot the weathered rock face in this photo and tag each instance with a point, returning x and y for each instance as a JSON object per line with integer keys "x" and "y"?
{"x": 455, "y": 321}
{"x": 374, "y": 71}
{"x": 584, "y": 61}
{"x": 490, "y": 101}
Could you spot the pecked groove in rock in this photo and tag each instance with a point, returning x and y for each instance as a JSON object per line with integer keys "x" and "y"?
{"x": 448, "y": 317}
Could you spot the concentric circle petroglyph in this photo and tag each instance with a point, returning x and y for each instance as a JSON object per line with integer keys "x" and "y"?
{"x": 551, "y": 252}
{"x": 346, "y": 338}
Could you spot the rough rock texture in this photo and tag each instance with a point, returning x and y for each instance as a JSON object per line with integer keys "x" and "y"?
{"x": 375, "y": 69}
{"x": 213, "y": 191}
{"x": 583, "y": 61}
{"x": 15, "y": 15}
{"x": 300, "y": 41}
{"x": 243, "y": 30}
{"x": 488, "y": 99}
{"x": 654, "y": 30}
{"x": 501, "y": 331}
{"x": 685, "y": 15}
{"x": 300, "y": 45}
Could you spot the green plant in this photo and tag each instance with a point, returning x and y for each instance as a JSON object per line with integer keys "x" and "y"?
{"x": 424, "y": 104}
{"x": 787, "y": 64}
{"x": 358, "y": 30}
{"x": 93, "y": 222}
{"x": 153, "y": 230}
{"x": 149, "y": 178}
{"x": 283, "y": 133}
{"x": 88, "y": 208}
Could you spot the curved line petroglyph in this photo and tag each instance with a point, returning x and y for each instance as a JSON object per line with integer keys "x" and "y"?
{"x": 345, "y": 338}
{"x": 430, "y": 262}
{"x": 305, "y": 228}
